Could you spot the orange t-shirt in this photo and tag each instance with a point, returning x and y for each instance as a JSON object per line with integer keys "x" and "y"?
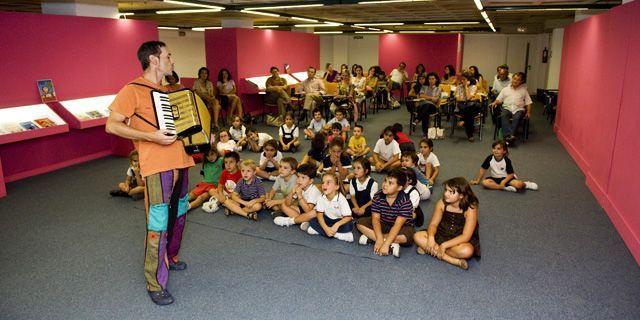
{"x": 153, "y": 157}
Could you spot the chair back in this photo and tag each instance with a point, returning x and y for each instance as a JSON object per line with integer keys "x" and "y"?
{"x": 331, "y": 88}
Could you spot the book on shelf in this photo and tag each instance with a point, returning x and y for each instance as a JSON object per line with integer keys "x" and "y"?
{"x": 44, "y": 122}
{"x": 94, "y": 114}
{"x": 28, "y": 125}
{"x": 10, "y": 127}
{"x": 46, "y": 91}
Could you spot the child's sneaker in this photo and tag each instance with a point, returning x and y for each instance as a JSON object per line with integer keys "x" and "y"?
{"x": 304, "y": 226}
{"x": 346, "y": 236}
{"x": 283, "y": 221}
{"x": 272, "y": 178}
{"x": 239, "y": 149}
{"x": 510, "y": 189}
{"x": 363, "y": 240}
{"x": 395, "y": 250}
{"x": 531, "y": 185}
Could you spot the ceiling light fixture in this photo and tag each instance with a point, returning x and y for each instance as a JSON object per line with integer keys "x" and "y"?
{"x": 379, "y": 24}
{"x": 266, "y": 27}
{"x": 358, "y": 27}
{"x": 416, "y": 31}
{"x": 303, "y": 19}
{"x": 168, "y": 28}
{"x": 372, "y": 32}
{"x": 540, "y": 9}
{"x": 313, "y": 25}
{"x": 260, "y": 13}
{"x": 327, "y": 32}
{"x": 484, "y": 15}
{"x": 184, "y": 3}
{"x": 478, "y": 4}
{"x": 334, "y": 23}
{"x": 287, "y": 7}
{"x": 187, "y": 11}
{"x": 390, "y": 1}
{"x": 452, "y": 22}
{"x": 126, "y": 14}
{"x": 205, "y": 28}
{"x": 375, "y": 29}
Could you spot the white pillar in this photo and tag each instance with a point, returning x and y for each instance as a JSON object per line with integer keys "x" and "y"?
{"x": 555, "y": 57}
{"x": 246, "y": 23}
{"x": 85, "y": 8}
{"x": 581, "y": 15}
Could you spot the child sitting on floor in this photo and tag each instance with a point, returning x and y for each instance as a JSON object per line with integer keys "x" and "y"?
{"x": 386, "y": 153}
{"x": 333, "y": 215}
{"x": 269, "y": 161}
{"x": 362, "y": 188}
{"x": 501, "y": 174}
{"x": 315, "y": 125}
{"x": 212, "y": 165}
{"x": 225, "y": 143}
{"x": 391, "y": 221}
{"x": 336, "y": 161}
{"x": 247, "y": 198}
{"x": 284, "y": 184}
{"x": 415, "y": 194}
{"x": 238, "y": 133}
{"x": 408, "y": 160}
{"x": 299, "y": 204}
{"x": 256, "y": 140}
{"x": 428, "y": 162}
{"x": 288, "y": 134}
{"x": 133, "y": 185}
{"x": 452, "y": 234}
{"x": 318, "y": 150}
{"x": 229, "y": 177}
{"x": 357, "y": 143}
{"x": 339, "y": 118}
{"x": 404, "y": 142}
{"x": 336, "y": 132}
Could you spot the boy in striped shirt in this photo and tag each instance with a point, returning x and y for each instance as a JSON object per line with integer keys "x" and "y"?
{"x": 391, "y": 221}
{"x": 248, "y": 196}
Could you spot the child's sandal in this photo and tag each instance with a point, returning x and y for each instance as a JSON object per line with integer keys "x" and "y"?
{"x": 227, "y": 212}
{"x": 252, "y": 216}
{"x": 462, "y": 263}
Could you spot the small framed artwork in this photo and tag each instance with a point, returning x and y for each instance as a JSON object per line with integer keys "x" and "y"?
{"x": 46, "y": 91}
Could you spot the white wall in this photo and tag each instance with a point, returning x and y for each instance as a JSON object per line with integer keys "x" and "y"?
{"x": 188, "y": 52}
{"x": 339, "y": 49}
{"x": 555, "y": 56}
{"x": 488, "y": 51}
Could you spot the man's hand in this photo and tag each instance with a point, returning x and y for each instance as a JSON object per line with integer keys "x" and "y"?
{"x": 163, "y": 137}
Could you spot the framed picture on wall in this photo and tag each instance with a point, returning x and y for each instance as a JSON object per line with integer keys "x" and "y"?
{"x": 46, "y": 91}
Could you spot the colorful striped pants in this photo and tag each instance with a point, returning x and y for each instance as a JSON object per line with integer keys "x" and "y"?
{"x": 166, "y": 204}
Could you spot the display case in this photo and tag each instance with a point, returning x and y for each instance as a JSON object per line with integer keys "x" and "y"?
{"x": 86, "y": 112}
{"x": 29, "y": 122}
{"x": 259, "y": 83}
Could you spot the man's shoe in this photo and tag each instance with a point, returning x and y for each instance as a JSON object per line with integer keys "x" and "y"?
{"x": 161, "y": 297}
{"x": 118, "y": 193}
{"x": 179, "y": 266}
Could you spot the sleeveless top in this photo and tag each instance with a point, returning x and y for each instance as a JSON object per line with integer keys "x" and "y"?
{"x": 451, "y": 226}
{"x": 364, "y": 196}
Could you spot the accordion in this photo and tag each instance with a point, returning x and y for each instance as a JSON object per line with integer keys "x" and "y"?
{"x": 184, "y": 113}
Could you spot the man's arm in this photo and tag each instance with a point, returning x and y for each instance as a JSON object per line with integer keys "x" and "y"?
{"x": 116, "y": 126}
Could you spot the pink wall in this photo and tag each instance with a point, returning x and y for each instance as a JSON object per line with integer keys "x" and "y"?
{"x": 251, "y": 52}
{"x": 598, "y": 112}
{"x": 435, "y": 51}
{"x": 84, "y": 57}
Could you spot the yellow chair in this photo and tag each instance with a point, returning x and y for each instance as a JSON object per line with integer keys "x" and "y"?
{"x": 331, "y": 88}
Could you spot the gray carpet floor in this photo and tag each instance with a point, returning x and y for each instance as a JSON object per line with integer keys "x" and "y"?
{"x": 70, "y": 251}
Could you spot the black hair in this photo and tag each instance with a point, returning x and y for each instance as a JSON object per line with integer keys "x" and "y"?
{"x": 401, "y": 177}
{"x": 417, "y": 86}
{"x": 434, "y": 75}
{"x": 402, "y": 62}
{"x": 521, "y": 75}
{"x": 396, "y": 127}
{"x": 359, "y": 126}
{"x": 459, "y": 184}
{"x": 272, "y": 68}
{"x": 149, "y": 48}
{"x": 337, "y": 126}
{"x": 475, "y": 72}
{"x": 233, "y": 155}
{"x": 341, "y": 110}
{"x": 423, "y": 69}
{"x": 428, "y": 141}
{"x": 365, "y": 163}
{"x": 174, "y": 75}
{"x": 273, "y": 143}
{"x": 205, "y": 69}
{"x": 336, "y": 142}
{"x": 291, "y": 161}
{"x": 316, "y": 110}
{"x": 310, "y": 67}
{"x": 411, "y": 176}
{"x": 289, "y": 114}
{"x": 220, "y": 74}
{"x": 410, "y": 154}
{"x": 327, "y": 65}
{"x": 388, "y": 129}
{"x": 214, "y": 150}
{"x": 452, "y": 71}
{"x": 307, "y": 169}
{"x": 252, "y": 129}
{"x": 469, "y": 77}
{"x": 502, "y": 66}
{"x": 317, "y": 142}
{"x": 502, "y": 143}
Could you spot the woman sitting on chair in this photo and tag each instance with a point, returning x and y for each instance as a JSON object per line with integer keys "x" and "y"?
{"x": 429, "y": 94}
{"x": 205, "y": 89}
{"x": 467, "y": 103}
{"x": 227, "y": 90}
{"x": 345, "y": 92}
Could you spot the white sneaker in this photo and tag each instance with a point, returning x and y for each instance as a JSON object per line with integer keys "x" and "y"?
{"x": 283, "y": 221}
{"x": 304, "y": 226}
{"x": 272, "y": 178}
{"x": 346, "y": 236}
{"x": 531, "y": 185}
{"x": 395, "y": 250}
{"x": 373, "y": 168}
{"x": 363, "y": 240}
{"x": 311, "y": 231}
{"x": 510, "y": 189}
{"x": 239, "y": 149}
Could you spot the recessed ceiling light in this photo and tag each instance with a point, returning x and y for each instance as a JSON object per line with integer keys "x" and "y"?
{"x": 303, "y": 19}
{"x": 266, "y": 27}
{"x": 184, "y": 3}
{"x": 327, "y": 32}
{"x": 390, "y": 1}
{"x": 260, "y": 13}
{"x": 379, "y": 24}
{"x": 187, "y": 11}
{"x": 205, "y": 28}
{"x": 478, "y": 4}
{"x": 541, "y": 9}
{"x": 416, "y": 31}
{"x": 451, "y": 22}
{"x": 168, "y": 28}
{"x": 286, "y": 7}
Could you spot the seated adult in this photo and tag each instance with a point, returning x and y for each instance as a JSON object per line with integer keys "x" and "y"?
{"x": 427, "y": 88}
{"x": 449, "y": 76}
{"x": 173, "y": 82}
{"x": 420, "y": 71}
{"x": 277, "y": 91}
{"x": 345, "y": 91}
{"x": 312, "y": 88}
{"x": 398, "y": 76}
{"x": 501, "y": 81}
{"x": 359, "y": 82}
{"x": 330, "y": 75}
{"x": 205, "y": 89}
{"x": 372, "y": 81}
{"x": 227, "y": 92}
{"x": 467, "y": 103}
{"x": 516, "y": 102}
{"x": 479, "y": 79}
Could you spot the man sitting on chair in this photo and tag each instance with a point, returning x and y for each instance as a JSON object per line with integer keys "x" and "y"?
{"x": 312, "y": 88}
{"x": 501, "y": 81}
{"x": 515, "y": 100}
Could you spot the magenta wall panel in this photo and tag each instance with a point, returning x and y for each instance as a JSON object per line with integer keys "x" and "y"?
{"x": 598, "y": 111}
{"x": 251, "y": 52}
{"x": 84, "y": 57}
{"x": 435, "y": 51}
